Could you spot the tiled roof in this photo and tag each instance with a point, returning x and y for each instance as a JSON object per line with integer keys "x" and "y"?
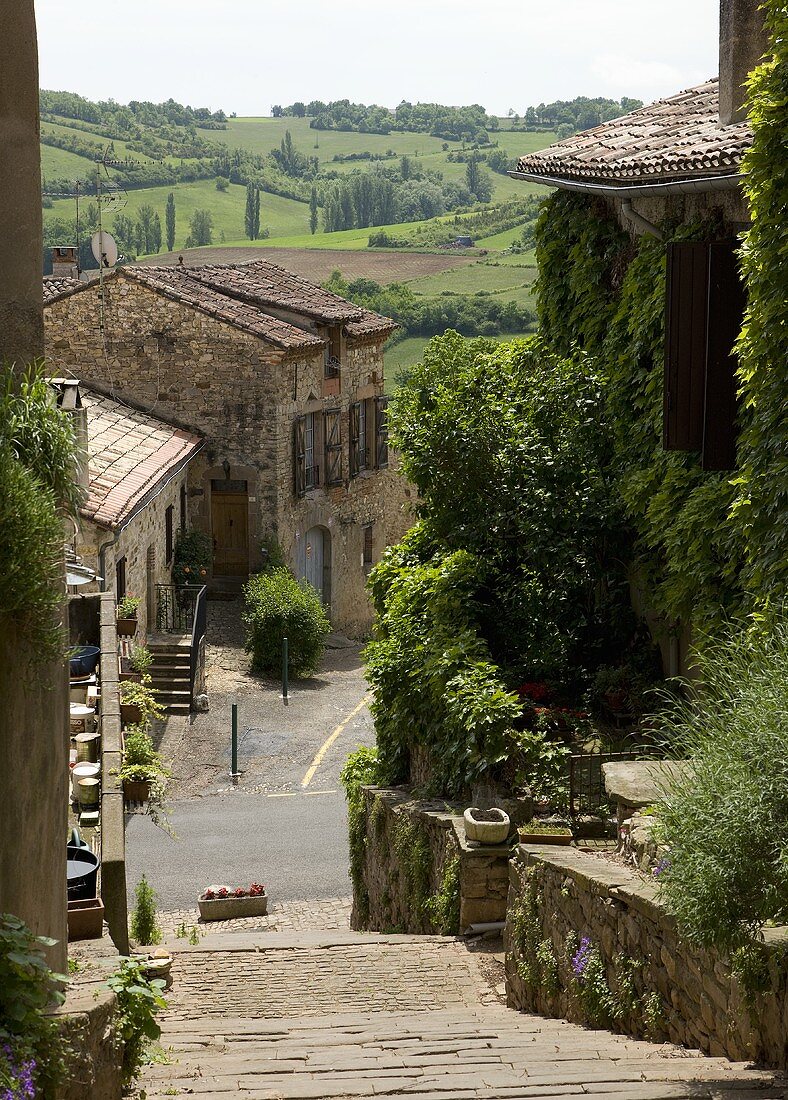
{"x": 268, "y": 284}
{"x": 179, "y": 283}
{"x": 679, "y": 138}
{"x": 55, "y": 286}
{"x": 129, "y": 452}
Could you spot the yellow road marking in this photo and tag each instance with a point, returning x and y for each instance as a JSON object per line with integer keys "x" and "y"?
{"x": 321, "y": 752}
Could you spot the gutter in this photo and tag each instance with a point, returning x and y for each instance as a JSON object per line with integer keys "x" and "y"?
{"x": 674, "y": 187}
{"x": 143, "y": 502}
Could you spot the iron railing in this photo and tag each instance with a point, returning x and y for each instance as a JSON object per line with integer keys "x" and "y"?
{"x": 587, "y": 794}
{"x": 176, "y": 607}
{"x": 198, "y": 633}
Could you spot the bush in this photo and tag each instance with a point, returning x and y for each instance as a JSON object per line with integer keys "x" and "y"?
{"x": 192, "y": 558}
{"x": 279, "y": 606}
{"x": 144, "y": 925}
{"x": 139, "y": 1000}
{"x": 726, "y": 823}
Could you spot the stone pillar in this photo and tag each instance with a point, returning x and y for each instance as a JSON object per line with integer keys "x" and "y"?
{"x": 743, "y": 41}
{"x": 34, "y": 711}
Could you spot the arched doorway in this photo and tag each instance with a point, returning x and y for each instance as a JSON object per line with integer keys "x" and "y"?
{"x": 313, "y": 560}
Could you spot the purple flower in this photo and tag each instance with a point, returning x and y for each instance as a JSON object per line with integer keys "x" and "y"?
{"x": 660, "y": 866}
{"x": 582, "y": 955}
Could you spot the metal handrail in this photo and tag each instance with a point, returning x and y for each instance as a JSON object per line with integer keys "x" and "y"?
{"x": 198, "y": 633}
{"x": 175, "y": 607}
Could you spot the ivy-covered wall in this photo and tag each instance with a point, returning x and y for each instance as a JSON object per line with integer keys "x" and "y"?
{"x": 707, "y": 545}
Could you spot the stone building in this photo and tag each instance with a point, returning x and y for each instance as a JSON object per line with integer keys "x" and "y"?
{"x": 136, "y": 500}
{"x": 283, "y": 380}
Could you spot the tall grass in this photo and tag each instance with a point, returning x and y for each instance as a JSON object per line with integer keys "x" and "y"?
{"x": 726, "y": 821}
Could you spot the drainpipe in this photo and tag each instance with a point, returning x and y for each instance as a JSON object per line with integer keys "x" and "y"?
{"x": 638, "y": 220}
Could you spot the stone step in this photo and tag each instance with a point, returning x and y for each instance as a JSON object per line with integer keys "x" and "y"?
{"x": 170, "y": 675}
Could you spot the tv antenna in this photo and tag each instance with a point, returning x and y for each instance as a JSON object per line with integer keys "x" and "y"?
{"x": 110, "y": 196}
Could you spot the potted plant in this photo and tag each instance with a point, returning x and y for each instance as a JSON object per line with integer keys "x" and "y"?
{"x": 544, "y": 832}
{"x": 143, "y": 771}
{"x": 138, "y": 703}
{"x": 223, "y": 903}
{"x": 127, "y": 616}
{"x": 137, "y": 665}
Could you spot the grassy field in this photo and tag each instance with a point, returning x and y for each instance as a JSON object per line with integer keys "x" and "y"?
{"x": 492, "y": 278}
{"x": 282, "y": 216}
{"x": 403, "y": 355}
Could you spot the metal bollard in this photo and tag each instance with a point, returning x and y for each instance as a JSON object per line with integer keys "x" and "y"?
{"x": 284, "y": 671}
{"x": 234, "y": 742}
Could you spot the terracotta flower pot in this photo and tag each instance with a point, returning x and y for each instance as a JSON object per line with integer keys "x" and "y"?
{"x": 130, "y": 714}
{"x": 136, "y": 790}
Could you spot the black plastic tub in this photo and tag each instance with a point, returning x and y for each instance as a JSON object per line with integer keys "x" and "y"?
{"x": 81, "y": 872}
{"x": 83, "y": 660}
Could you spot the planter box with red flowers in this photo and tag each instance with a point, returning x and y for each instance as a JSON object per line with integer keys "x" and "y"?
{"x": 221, "y": 903}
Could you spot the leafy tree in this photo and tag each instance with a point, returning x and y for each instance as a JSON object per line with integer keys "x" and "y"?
{"x": 276, "y": 111}
{"x": 169, "y": 217}
{"x": 477, "y": 180}
{"x": 298, "y": 109}
{"x": 313, "y": 210}
{"x": 222, "y": 183}
{"x": 201, "y": 229}
{"x": 155, "y": 238}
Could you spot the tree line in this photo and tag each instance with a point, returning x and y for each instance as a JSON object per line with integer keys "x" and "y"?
{"x": 469, "y": 123}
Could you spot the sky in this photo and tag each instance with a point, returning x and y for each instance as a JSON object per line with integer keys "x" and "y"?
{"x": 245, "y": 55}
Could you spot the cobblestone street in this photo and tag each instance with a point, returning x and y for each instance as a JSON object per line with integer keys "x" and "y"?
{"x": 268, "y": 1016}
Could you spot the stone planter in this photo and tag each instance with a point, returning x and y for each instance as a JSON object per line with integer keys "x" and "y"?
{"x": 126, "y": 628}
{"x": 136, "y": 790}
{"x": 545, "y": 838}
{"x": 229, "y": 908}
{"x": 85, "y": 919}
{"x": 486, "y": 826}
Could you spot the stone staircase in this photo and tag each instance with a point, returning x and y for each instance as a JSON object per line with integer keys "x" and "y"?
{"x": 170, "y": 675}
{"x": 275, "y": 1015}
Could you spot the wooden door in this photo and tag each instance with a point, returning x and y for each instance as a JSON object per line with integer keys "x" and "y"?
{"x": 313, "y": 552}
{"x": 230, "y": 522}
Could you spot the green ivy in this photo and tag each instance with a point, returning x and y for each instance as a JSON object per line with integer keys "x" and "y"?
{"x": 443, "y": 907}
{"x": 685, "y": 553}
{"x": 760, "y": 508}
{"x": 360, "y": 768}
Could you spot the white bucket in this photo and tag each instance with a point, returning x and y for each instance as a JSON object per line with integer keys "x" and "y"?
{"x": 89, "y": 792}
{"x": 83, "y": 770}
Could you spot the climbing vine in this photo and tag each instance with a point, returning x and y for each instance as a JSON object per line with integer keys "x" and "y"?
{"x": 760, "y": 508}
{"x": 360, "y": 768}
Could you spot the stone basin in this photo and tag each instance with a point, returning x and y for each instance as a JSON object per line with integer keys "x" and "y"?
{"x": 486, "y": 826}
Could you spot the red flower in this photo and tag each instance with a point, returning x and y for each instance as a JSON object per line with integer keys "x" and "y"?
{"x": 209, "y": 895}
{"x": 256, "y": 890}
{"x": 239, "y": 893}
{"x": 223, "y": 892}
{"x": 535, "y": 690}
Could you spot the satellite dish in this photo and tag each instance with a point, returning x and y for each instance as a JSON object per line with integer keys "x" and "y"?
{"x": 104, "y": 249}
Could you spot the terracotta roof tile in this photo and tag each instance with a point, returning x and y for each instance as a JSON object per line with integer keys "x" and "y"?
{"x": 673, "y": 139}
{"x": 180, "y": 283}
{"x": 55, "y": 286}
{"x": 129, "y": 452}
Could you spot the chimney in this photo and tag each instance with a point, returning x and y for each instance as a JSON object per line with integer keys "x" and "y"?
{"x": 65, "y": 263}
{"x": 70, "y": 400}
{"x": 743, "y": 42}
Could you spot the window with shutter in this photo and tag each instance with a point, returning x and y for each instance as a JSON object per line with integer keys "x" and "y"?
{"x": 354, "y": 424}
{"x": 168, "y": 533}
{"x": 333, "y": 353}
{"x": 381, "y": 432}
{"x": 685, "y": 345}
{"x": 366, "y": 556}
{"x": 725, "y": 315}
{"x": 299, "y": 456}
{"x": 332, "y": 425}
{"x": 311, "y": 452}
{"x": 120, "y": 578}
{"x": 704, "y": 308}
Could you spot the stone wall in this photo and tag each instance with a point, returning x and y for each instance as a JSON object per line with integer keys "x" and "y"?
{"x": 638, "y": 975}
{"x": 420, "y": 874}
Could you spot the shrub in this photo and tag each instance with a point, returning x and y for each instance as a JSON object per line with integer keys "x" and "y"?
{"x": 726, "y": 823}
{"x": 127, "y": 607}
{"x": 142, "y": 695}
{"x": 141, "y": 659}
{"x": 144, "y": 925}
{"x": 192, "y": 558}
{"x": 279, "y": 606}
{"x": 32, "y": 1053}
{"x": 139, "y": 999}
{"x": 360, "y": 768}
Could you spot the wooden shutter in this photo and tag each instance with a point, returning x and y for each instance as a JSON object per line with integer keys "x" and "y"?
{"x": 685, "y": 345}
{"x": 120, "y": 578}
{"x": 299, "y": 456}
{"x": 332, "y": 423}
{"x": 381, "y": 432}
{"x": 725, "y": 312}
{"x": 354, "y": 417}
